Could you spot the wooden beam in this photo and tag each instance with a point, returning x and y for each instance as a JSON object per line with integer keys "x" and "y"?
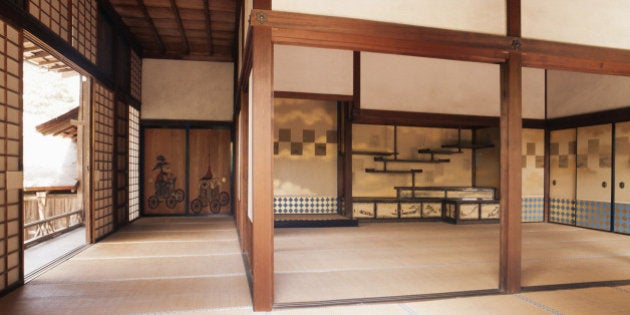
{"x": 208, "y": 21}
{"x": 313, "y": 96}
{"x": 262, "y": 172}
{"x": 511, "y": 133}
{"x": 262, "y": 4}
{"x": 362, "y": 35}
{"x": 356, "y": 82}
{"x": 386, "y": 117}
{"x": 180, "y": 25}
{"x": 514, "y": 18}
{"x": 154, "y": 31}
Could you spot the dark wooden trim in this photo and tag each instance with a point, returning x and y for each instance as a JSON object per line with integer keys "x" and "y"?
{"x": 582, "y": 285}
{"x": 386, "y": 117}
{"x": 514, "y": 18}
{"x": 534, "y": 123}
{"x": 313, "y": 96}
{"x": 163, "y": 123}
{"x": 180, "y": 24}
{"x": 362, "y": 35}
{"x": 262, "y": 4}
{"x": 510, "y": 168}
{"x": 590, "y": 119}
{"x": 356, "y": 80}
{"x": 262, "y": 172}
{"x": 119, "y": 25}
{"x": 389, "y": 299}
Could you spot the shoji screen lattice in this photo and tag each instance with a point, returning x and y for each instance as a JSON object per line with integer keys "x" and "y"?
{"x": 136, "y": 76}
{"x": 134, "y": 163}
{"x": 84, "y": 31}
{"x": 55, "y": 14}
{"x": 10, "y": 154}
{"x": 122, "y": 162}
{"x": 102, "y": 156}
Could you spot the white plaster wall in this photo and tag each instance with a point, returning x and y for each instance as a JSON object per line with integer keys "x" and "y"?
{"x": 313, "y": 70}
{"x": 572, "y": 93}
{"x": 533, "y": 93}
{"x": 187, "y": 90}
{"x": 589, "y": 22}
{"x": 483, "y": 16}
{"x": 417, "y": 84}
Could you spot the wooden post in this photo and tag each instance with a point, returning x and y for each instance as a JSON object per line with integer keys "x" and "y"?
{"x": 262, "y": 164}
{"x": 511, "y": 123}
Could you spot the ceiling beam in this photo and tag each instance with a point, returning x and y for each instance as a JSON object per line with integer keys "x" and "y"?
{"x": 180, "y": 25}
{"x": 154, "y": 30}
{"x": 206, "y": 11}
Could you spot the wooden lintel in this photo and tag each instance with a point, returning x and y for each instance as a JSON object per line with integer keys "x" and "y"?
{"x": 313, "y": 96}
{"x": 386, "y": 117}
{"x": 510, "y": 170}
{"x": 262, "y": 168}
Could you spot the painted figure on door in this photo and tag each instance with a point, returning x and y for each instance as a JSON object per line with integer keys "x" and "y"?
{"x": 165, "y": 190}
{"x": 209, "y": 194}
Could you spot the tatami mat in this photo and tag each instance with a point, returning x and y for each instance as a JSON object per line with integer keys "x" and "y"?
{"x": 603, "y": 300}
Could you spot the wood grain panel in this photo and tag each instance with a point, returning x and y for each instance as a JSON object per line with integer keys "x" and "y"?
{"x": 209, "y": 171}
{"x": 164, "y": 179}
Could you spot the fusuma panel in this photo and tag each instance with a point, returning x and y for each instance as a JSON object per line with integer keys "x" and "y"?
{"x": 102, "y": 157}
{"x": 533, "y": 175}
{"x": 562, "y": 155}
{"x": 55, "y": 14}
{"x": 134, "y": 163}
{"x": 84, "y": 21}
{"x": 622, "y": 178}
{"x": 10, "y": 154}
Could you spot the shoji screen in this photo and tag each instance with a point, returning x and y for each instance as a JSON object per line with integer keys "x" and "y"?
{"x": 55, "y": 14}
{"x": 136, "y": 75}
{"x": 10, "y": 152}
{"x": 102, "y": 160}
{"x": 122, "y": 162}
{"x": 84, "y": 21}
{"x": 134, "y": 163}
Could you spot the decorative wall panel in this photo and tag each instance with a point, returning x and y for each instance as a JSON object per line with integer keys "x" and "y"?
{"x": 10, "y": 154}
{"x": 304, "y": 205}
{"x": 533, "y": 175}
{"x": 134, "y": 164}
{"x": 562, "y": 155}
{"x": 84, "y": 28}
{"x": 55, "y": 14}
{"x": 594, "y": 158}
{"x": 622, "y": 178}
{"x": 103, "y": 160}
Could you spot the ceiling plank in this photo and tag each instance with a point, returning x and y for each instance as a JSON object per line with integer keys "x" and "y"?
{"x": 147, "y": 17}
{"x": 206, "y": 11}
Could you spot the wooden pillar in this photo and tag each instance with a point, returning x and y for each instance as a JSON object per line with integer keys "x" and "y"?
{"x": 511, "y": 124}
{"x": 262, "y": 167}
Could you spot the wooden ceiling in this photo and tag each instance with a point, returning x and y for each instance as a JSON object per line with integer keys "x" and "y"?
{"x": 39, "y": 57}
{"x": 182, "y": 29}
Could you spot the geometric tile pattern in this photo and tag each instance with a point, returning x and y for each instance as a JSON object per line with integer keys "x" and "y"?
{"x": 622, "y": 218}
{"x": 593, "y": 214}
{"x": 533, "y": 209}
{"x": 300, "y": 142}
{"x": 305, "y": 205}
{"x": 562, "y": 211}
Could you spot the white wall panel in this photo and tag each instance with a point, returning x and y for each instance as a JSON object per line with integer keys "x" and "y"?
{"x": 416, "y": 84}
{"x": 312, "y": 70}
{"x": 533, "y": 93}
{"x": 187, "y": 90}
{"x": 573, "y": 93}
{"x": 483, "y": 16}
{"x": 589, "y": 22}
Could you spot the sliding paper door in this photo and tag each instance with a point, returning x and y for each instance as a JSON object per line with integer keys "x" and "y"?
{"x": 594, "y": 174}
{"x": 562, "y": 173}
{"x": 622, "y": 178}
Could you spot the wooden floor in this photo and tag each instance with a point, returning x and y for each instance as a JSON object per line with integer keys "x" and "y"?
{"x": 193, "y": 265}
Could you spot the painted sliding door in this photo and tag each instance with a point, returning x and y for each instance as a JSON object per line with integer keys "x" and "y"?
{"x": 562, "y": 151}
{"x": 622, "y": 178}
{"x": 164, "y": 171}
{"x": 209, "y": 171}
{"x": 594, "y": 174}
